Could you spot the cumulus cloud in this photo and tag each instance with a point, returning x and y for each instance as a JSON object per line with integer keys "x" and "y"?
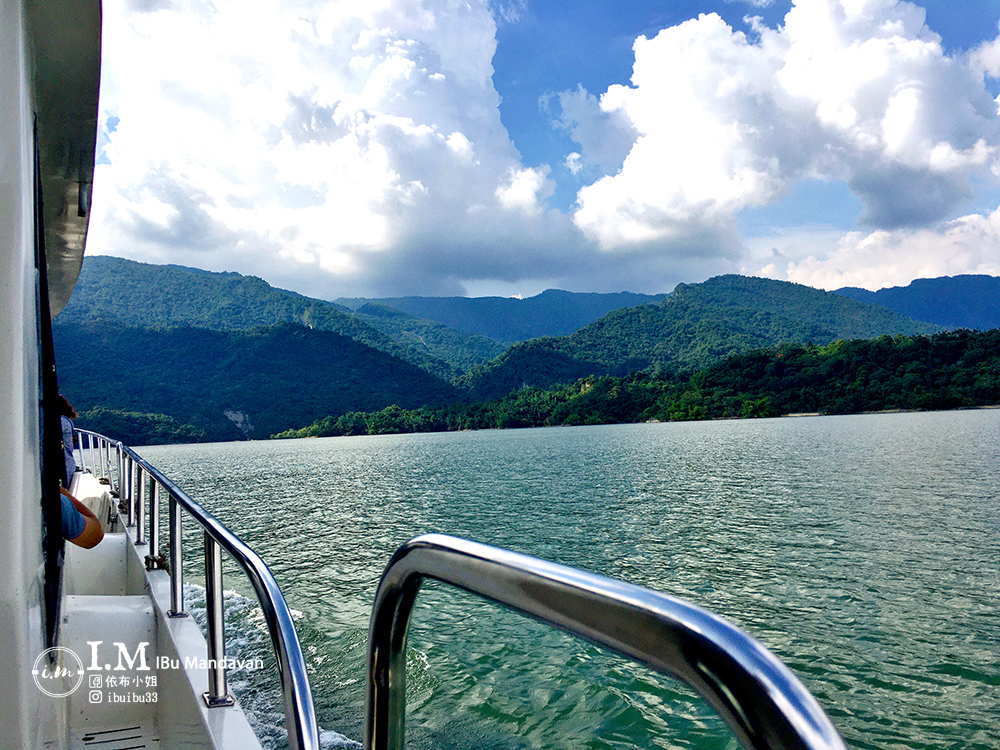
{"x": 985, "y": 59}
{"x": 509, "y": 11}
{"x": 522, "y": 188}
{"x": 606, "y": 136}
{"x": 318, "y": 144}
{"x": 342, "y": 148}
{"x": 855, "y": 91}
{"x": 969, "y": 244}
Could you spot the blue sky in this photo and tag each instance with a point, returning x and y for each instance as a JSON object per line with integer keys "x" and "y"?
{"x": 555, "y": 46}
{"x": 507, "y": 146}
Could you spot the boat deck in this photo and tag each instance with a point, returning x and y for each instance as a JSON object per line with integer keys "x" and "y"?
{"x": 142, "y": 677}
{"x": 134, "y": 737}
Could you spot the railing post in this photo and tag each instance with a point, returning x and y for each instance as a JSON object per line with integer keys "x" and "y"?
{"x": 78, "y": 443}
{"x": 130, "y": 488}
{"x": 218, "y": 692}
{"x": 132, "y": 471}
{"x": 120, "y": 461}
{"x": 90, "y": 448}
{"x": 104, "y": 451}
{"x": 140, "y": 507}
{"x": 154, "y": 560}
{"x": 176, "y": 561}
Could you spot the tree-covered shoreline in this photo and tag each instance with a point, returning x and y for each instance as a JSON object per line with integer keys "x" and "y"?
{"x": 166, "y": 354}
{"x": 955, "y": 369}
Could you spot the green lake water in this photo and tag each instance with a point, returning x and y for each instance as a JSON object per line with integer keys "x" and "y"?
{"x": 862, "y": 550}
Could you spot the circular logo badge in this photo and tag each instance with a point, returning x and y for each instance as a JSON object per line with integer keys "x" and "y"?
{"x": 58, "y": 672}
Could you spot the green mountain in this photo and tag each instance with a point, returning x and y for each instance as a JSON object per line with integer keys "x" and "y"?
{"x": 459, "y": 349}
{"x": 949, "y": 370}
{"x": 694, "y": 326}
{"x": 509, "y": 319}
{"x": 169, "y": 354}
{"x": 181, "y": 384}
{"x": 444, "y": 336}
{"x": 968, "y": 301}
{"x": 146, "y": 295}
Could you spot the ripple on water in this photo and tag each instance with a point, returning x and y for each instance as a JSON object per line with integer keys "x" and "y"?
{"x": 862, "y": 550}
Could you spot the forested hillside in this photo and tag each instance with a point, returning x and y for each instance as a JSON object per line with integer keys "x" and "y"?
{"x": 182, "y": 384}
{"x": 208, "y": 356}
{"x": 459, "y": 349}
{"x": 145, "y": 295}
{"x": 955, "y": 369}
{"x": 968, "y": 301}
{"x": 510, "y": 319}
{"x": 694, "y": 326}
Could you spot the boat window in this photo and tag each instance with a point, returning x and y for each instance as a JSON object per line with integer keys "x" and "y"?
{"x": 50, "y": 449}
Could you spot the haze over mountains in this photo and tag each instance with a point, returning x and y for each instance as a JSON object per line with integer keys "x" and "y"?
{"x": 223, "y": 356}
{"x": 510, "y": 319}
{"x": 968, "y": 301}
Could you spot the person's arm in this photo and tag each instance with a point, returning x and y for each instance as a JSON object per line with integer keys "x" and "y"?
{"x": 92, "y": 532}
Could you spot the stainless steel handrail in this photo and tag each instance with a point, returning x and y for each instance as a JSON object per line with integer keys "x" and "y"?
{"x": 300, "y": 716}
{"x": 763, "y": 703}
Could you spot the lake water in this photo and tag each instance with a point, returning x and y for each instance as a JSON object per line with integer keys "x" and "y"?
{"x": 862, "y": 550}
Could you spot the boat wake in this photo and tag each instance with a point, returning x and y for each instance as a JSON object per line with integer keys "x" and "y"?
{"x": 253, "y": 678}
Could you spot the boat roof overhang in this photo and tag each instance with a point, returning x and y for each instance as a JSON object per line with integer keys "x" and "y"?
{"x": 65, "y": 43}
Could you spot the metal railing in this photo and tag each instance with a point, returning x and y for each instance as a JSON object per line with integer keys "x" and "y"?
{"x": 761, "y": 701}
{"x": 139, "y": 482}
{"x": 94, "y": 457}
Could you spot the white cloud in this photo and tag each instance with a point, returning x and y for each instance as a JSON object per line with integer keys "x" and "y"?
{"x": 510, "y": 11}
{"x": 605, "y": 134}
{"x": 986, "y": 58}
{"x": 522, "y": 188}
{"x": 969, "y": 244}
{"x": 700, "y": 103}
{"x": 342, "y": 148}
{"x": 857, "y": 91}
{"x": 333, "y": 147}
{"x": 754, "y": 3}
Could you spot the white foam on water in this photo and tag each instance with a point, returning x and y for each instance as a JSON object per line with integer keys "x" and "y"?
{"x": 256, "y": 690}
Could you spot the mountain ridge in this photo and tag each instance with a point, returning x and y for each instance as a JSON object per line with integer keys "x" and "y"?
{"x": 275, "y": 360}
{"x": 149, "y": 295}
{"x": 962, "y": 301}
{"x": 693, "y": 327}
{"x": 236, "y": 384}
{"x": 146, "y": 294}
{"x": 554, "y": 312}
